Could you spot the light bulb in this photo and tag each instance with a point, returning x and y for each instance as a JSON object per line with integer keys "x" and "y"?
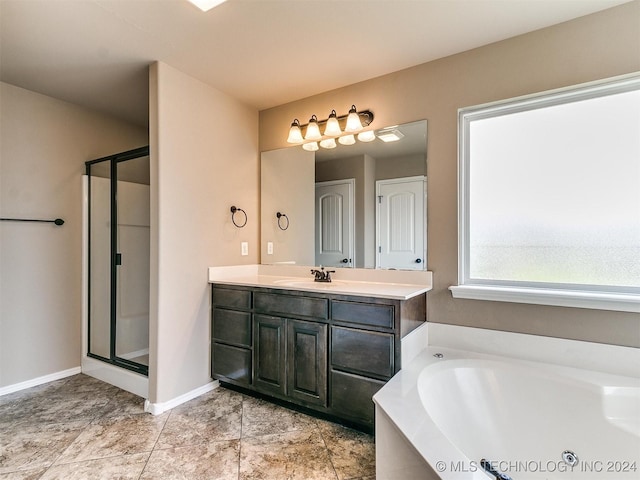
{"x": 328, "y": 143}
{"x": 353, "y": 121}
{"x": 368, "y": 136}
{"x": 347, "y": 140}
{"x": 313, "y": 131}
{"x": 311, "y": 147}
{"x": 295, "y": 134}
{"x": 332, "y": 129}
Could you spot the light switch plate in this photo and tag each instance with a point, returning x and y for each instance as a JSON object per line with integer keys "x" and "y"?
{"x": 244, "y": 248}
{"x": 269, "y": 248}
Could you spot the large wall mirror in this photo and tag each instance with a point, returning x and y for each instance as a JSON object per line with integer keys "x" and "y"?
{"x": 353, "y": 206}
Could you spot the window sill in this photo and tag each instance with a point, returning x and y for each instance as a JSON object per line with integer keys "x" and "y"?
{"x": 619, "y": 302}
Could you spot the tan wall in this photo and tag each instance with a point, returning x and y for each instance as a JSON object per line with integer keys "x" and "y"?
{"x": 597, "y": 46}
{"x": 282, "y": 191}
{"x": 44, "y": 143}
{"x": 406, "y": 166}
{"x": 204, "y": 159}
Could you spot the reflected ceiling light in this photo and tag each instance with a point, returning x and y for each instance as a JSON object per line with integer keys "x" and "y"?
{"x": 311, "y": 147}
{"x": 389, "y": 135}
{"x": 332, "y": 129}
{"x": 313, "y": 131}
{"x": 328, "y": 143}
{"x": 295, "y": 134}
{"x": 206, "y": 5}
{"x": 368, "y": 136}
{"x": 353, "y": 121}
{"x": 347, "y": 140}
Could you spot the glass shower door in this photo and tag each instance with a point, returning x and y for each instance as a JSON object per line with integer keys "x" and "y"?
{"x": 119, "y": 253}
{"x": 132, "y": 270}
{"x": 100, "y": 260}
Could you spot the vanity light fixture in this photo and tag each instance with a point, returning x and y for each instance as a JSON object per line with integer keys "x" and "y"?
{"x": 206, "y": 5}
{"x": 343, "y": 128}
{"x": 347, "y": 140}
{"x": 328, "y": 143}
{"x": 368, "y": 136}
{"x": 353, "y": 121}
{"x": 332, "y": 129}
{"x": 295, "y": 134}
{"x": 313, "y": 131}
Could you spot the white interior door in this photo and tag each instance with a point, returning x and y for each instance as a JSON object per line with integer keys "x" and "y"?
{"x": 335, "y": 223}
{"x": 401, "y": 232}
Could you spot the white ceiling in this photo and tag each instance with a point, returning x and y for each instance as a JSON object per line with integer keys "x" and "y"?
{"x": 264, "y": 52}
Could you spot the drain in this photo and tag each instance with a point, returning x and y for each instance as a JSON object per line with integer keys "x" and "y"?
{"x": 570, "y": 458}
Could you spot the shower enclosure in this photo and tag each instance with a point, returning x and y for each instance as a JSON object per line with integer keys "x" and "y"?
{"x": 118, "y": 259}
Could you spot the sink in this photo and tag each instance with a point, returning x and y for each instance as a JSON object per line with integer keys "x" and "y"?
{"x": 309, "y": 283}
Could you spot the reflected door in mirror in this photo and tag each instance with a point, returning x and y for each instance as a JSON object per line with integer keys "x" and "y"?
{"x": 401, "y": 219}
{"x": 335, "y": 223}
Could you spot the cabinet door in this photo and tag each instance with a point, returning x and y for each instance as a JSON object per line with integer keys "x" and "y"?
{"x": 307, "y": 361}
{"x": 269, "y": 353}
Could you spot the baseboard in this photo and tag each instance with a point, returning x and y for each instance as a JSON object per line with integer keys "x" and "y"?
{"x": 16, "y": 387}
{"x": 161, "y": 407}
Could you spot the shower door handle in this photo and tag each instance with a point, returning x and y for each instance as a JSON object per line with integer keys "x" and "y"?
{"x": 118, "y": 259}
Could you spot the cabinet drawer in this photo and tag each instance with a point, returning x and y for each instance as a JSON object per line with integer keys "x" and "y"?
{"x": 366, "y": 352}
{"x": 289, "y": 305}
{"x": 362, "y": 313}
{"x": 352, "y": 396}
{"x": 231, "y": 326}
{"x": 228, "y": 297}
{"x": 232, "y": 363}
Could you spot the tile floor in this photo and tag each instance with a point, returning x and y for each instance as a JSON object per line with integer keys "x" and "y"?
{"x": 82, "y": 428}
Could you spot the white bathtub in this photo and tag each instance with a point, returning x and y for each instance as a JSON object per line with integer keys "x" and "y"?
{"x": 440, "y": 417}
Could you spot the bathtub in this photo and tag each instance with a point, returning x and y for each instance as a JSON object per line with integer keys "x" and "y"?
{"x": 452, "y": 412}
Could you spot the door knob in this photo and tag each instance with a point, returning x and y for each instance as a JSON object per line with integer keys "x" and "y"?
{"x": 418, "y": 260}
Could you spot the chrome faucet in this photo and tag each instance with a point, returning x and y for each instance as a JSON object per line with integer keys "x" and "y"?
{"x": 321, "y": 275}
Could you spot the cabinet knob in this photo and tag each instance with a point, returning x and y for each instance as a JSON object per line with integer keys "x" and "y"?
{"x": 418, "y": 260}
{"x": 345, "y": 260}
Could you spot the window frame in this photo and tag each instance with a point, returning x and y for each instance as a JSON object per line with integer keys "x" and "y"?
{"x": 541, "y": 293}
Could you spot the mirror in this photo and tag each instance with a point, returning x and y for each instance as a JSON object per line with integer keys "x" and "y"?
{"x": 360, "y": 205}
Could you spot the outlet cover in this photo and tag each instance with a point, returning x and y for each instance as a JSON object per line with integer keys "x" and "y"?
{"x": 269, "y": 248}
{"x": 244, "y": 248}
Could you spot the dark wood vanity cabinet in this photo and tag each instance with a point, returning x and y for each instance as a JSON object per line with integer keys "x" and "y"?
{"x": 330, "y": 353}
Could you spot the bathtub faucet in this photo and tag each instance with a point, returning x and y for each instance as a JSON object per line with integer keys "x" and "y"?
{"x": 321, "y": 275}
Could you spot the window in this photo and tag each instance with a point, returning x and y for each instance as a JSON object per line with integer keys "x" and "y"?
{"x": 549, "y": 198}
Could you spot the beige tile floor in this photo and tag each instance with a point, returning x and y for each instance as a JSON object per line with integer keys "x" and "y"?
{"x": 81, "y": 428}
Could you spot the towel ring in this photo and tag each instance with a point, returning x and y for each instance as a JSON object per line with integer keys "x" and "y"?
{"x": 280, "y": 216}
{"x": 235, "y": 210}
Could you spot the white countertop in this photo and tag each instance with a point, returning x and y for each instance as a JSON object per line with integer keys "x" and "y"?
{"x": 392, "y": 284}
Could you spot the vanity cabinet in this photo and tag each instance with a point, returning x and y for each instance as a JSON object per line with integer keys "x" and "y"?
{"x": 327, "y": 352}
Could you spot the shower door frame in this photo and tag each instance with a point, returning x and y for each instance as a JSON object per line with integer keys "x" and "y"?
{"x": 114, "y": 257}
